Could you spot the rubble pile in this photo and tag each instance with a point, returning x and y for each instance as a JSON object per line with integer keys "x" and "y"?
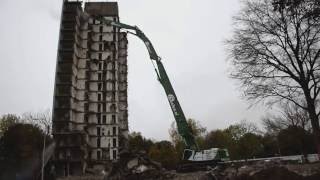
{"x": 274, "y": 173}
{"x": 268, "y": 170}
{"x": 137, "y": 166}
{"x": 86, "y": 177}
{"x": 305, "y": 169}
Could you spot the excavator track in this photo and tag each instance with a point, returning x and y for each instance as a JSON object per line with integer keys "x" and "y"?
{"x": 191, "y": 166}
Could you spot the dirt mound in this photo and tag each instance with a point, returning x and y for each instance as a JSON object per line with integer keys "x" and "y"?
{"x": 313, "y": 177}
{"x": 137, "y": 166}
{"x": 275, "y": 173}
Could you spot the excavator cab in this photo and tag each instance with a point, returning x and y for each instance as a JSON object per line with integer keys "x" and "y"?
{"x": 187, "y": 154}
{"x": 213, "y": 154}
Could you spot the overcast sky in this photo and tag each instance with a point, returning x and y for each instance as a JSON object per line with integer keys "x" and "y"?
{"x": 187, "y": 34}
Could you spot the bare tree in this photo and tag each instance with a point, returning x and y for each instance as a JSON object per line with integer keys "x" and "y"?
{"x": 275, "y": 52}
{"x": 290, "y": 115}
{"x": 41, "y": 119}
{"x": 243, "y": 127}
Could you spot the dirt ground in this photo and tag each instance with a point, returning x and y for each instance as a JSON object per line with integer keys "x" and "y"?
{"x": 259, "y": 171}
{"x": 140, "y": 167}
{"x": 271, "y": 171}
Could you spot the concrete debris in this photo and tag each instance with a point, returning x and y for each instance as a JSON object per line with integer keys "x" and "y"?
{"x": 272, "y": 170}
{"x": 85, "y": 177}
{"x": 306, "y": 169}
{"x": 274, "y": 173}
{"x": 200, "y": 175}
{"x": 137, "y": 166}
{"x": 132, "y": 163}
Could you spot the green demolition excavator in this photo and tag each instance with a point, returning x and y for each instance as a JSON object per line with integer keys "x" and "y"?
{"x": 191, "y": 151}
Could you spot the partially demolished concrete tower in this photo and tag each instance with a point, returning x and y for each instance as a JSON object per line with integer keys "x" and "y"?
{"x": 90, "y": 118}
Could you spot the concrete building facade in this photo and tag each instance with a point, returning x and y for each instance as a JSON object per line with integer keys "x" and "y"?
{"x": 90, "y": 117}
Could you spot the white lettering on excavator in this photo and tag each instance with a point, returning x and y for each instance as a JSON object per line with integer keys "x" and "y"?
{"x": 148, "y": 46}
{"x": 171, "y": 99}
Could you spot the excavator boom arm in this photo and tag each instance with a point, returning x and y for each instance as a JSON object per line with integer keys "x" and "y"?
{"x": 183, "y": 128}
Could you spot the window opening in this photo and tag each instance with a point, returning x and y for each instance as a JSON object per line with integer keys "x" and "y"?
{"x": 114, "y": 142}
{"x": 98, "y": 142}
{"x": 99, "y": 76}
{"x": 113, "y": 119}
{"x": 98, "y": 118}
{"x": 99, "y": 107}
{"x": 114, "y": 131}
{"x": 98, "y": 154}
{"x": 98, "y": 131}
{"x": 114, "y": 154}
{"x": 104, "y": 119}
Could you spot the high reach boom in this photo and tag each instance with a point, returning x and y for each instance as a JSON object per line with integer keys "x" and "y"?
{"x": 191, "y": 151}
{"x": 183, "y": 128}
